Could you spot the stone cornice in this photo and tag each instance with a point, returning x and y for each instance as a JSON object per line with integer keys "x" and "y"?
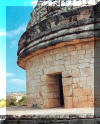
{"x": 78, "y": 23}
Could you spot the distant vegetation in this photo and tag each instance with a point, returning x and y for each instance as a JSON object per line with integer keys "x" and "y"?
{"x": 11, "y": 101}
{"x": 2, "y": 103}
{"x": 22, "y": 101}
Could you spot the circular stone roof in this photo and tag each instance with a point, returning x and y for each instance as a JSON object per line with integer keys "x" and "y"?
{"x": 52, "y": 25}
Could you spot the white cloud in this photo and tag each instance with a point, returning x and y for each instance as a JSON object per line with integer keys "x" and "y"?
{"x": 17, "y": 31}
{"x": 8, "y": 74}
{"x": 2, "y": 32}
{"x": 17, "y": 80}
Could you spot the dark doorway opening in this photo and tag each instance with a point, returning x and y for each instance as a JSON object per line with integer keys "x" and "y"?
{"x": 55, "y": 90}
{"x": 59, "y": 76}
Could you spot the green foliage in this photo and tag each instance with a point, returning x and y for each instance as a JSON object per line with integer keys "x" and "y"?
{"x": 22, "y": 101}
{"x": 11, "y": 102}
{"x": 14, "y": 102}
{"x": 2, "y": 103}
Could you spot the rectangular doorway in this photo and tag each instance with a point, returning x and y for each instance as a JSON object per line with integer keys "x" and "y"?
{"x": 55, "y": 90}
{"x": 59, "y": 76}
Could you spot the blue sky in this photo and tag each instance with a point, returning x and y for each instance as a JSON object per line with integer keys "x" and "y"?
{"x": 14, "y": 17}
{"x": 17, "y": 18}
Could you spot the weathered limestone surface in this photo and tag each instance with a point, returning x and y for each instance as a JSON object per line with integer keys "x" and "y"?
{"x": 76, "y": 67}
{"x": 62, "y": 42}
{"x": 41, "y": 13}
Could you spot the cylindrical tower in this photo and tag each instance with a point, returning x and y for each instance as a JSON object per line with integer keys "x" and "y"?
{"x": 57, "y": 50}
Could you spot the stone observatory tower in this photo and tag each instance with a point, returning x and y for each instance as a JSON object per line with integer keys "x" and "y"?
{"x": 60, "y": 51}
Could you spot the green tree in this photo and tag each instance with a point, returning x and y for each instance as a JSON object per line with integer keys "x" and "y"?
{"x": 22, "y": 101}
{"x": 2, "y": 103}
{"x": 11, "y": 102}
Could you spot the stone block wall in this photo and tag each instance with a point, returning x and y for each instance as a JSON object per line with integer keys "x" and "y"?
{"x": 62, "y": 41}
{"x": 76, "y": 64}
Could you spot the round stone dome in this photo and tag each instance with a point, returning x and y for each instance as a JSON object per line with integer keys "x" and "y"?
{"x": 52, "y": 25}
